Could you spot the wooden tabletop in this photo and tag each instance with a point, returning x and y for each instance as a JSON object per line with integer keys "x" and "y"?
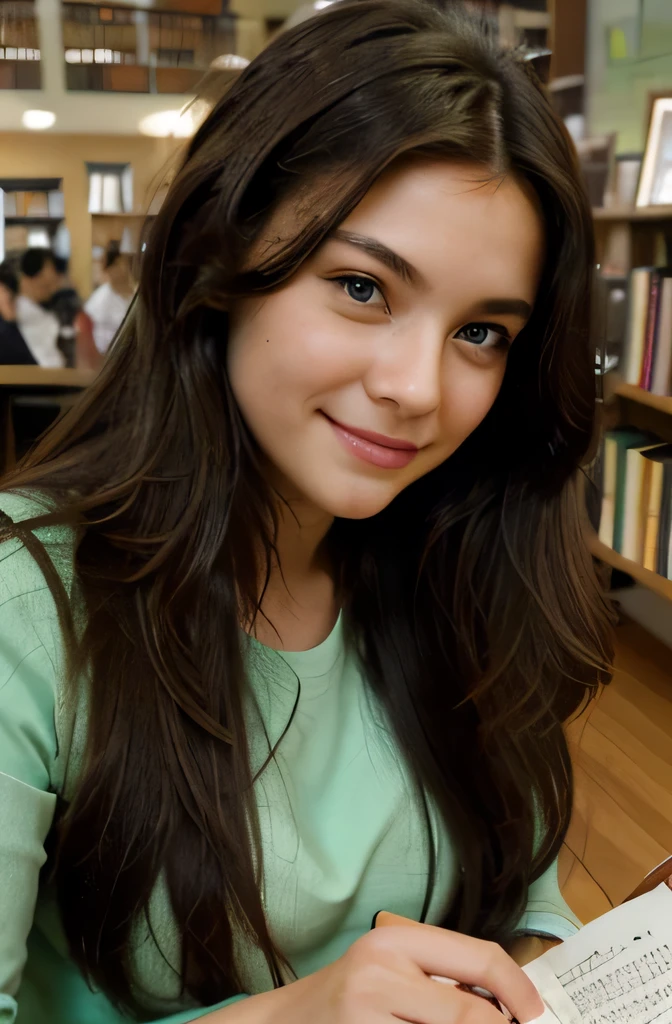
{"x": 44, "y": 377}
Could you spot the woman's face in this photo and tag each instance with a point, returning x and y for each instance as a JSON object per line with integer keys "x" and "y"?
{"x": 374, "y": 363}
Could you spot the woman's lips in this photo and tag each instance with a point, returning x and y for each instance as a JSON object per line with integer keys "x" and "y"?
{"x": 381, "y": 451}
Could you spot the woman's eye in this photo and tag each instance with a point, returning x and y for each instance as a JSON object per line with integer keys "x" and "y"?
{"x": 362, "y": 290}
{"x": 484, "y": 335}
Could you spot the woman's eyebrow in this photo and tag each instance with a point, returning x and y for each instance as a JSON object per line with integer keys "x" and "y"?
{"x": 392, "y": 260}
{"x": 512, "y": 307}
{"x": 407, "y": 272}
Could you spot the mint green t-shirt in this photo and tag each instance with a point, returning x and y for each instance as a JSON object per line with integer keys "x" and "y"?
{"x": 343, "y": 830}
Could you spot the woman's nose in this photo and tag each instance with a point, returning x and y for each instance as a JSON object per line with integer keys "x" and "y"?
{"x": 406, "y": 370}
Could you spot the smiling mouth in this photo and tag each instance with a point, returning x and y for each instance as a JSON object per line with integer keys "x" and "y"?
{"x": 376, "y": 449}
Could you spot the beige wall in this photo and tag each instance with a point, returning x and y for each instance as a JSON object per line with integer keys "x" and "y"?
{"x": 65, "y": 156}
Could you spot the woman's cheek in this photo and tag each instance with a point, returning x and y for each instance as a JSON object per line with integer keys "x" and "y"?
{"x": 468, "y": 395}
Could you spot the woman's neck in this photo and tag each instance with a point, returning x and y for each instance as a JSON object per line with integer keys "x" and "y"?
{"x": 299, "y": 606}
{"x": 302, "y": 532}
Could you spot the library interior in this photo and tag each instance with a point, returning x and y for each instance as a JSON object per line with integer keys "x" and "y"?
{"x": 102, "y": 108}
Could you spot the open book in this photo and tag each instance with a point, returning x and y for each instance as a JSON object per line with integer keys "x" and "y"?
{"x": 617, "y": 970}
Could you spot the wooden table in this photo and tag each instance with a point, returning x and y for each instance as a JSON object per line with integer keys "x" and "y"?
{"x": 37, "y": 378}
{"x": 28, "y": 381}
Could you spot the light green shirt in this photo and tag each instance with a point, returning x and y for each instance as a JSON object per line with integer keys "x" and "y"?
{"x": 343, "y": 831}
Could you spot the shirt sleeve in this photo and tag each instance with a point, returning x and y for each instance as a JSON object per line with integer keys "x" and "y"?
{"x": 27, "y": 751}
{"x": 547, "y": 913}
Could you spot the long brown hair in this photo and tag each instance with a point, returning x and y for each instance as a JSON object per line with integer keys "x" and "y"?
{"x": 472, "y": 596}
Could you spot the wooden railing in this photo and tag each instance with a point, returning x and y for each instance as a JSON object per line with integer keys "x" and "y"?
{"x": 126, "y": 49}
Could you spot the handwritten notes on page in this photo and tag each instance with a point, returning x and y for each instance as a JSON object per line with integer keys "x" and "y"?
{"x": 617, "y": 970}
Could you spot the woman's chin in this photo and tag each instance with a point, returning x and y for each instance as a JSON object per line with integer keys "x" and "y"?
{"x": 358, "y": 503}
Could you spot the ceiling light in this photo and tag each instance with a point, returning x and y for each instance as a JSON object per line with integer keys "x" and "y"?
{"x": 38, "y": 120}
{"x": 229, "y": 62}
{"x": 164, "y": 123}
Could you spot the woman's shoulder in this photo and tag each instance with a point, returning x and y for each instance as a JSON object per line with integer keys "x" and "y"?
{"x": 28, "y": 609}
{"x": 32, "y": 709}
{"x": 19, "y": 568}
{"x": 43, "y": 721}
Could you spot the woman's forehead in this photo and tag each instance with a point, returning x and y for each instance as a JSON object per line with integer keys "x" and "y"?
{"x": 462, "y": 195}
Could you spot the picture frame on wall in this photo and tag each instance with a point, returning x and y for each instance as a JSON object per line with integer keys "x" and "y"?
{"x": 655, "y": 183}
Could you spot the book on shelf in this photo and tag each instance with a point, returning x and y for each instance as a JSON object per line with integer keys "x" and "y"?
{"x": 636, "y": 508}
{"x": 10, "y": 204}
{"x": 661, "y": 378}
{"x": 647, "y": 361}
{"x": 663, "y": 552}
{"x": 37, "y": 204}
{"x": 56, "y": 203}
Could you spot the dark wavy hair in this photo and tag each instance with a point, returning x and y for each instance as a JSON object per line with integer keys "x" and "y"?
{"x": 481, "y": 632}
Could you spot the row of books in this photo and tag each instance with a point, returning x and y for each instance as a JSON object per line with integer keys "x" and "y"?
{"x": 636, "y": 514}
{"x": 647, "y": 358}
{"x": 34, "y": 204}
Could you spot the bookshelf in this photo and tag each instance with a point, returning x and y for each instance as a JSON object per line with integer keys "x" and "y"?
{"x": 629, "y": 238}
{"x": 632, "y": 236}
{"x": 632, "y": 213}
{"x": 661, "y": 403}
{"x": 120, "y": 216}
{"x": 649, "y": 579}
{"x": 632, "y": 406}
{"x": 50, "y": 222}
{"x": 33, "y": 211}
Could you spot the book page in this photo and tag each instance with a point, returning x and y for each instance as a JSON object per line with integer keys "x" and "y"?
{"x": 617, "y": 970}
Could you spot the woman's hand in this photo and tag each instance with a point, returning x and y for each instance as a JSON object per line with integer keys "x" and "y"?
{"x": 527, "y": 948}
{"x": 384, "y": 978}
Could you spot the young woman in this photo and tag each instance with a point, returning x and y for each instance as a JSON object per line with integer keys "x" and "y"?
{"x": 295, "y": 602}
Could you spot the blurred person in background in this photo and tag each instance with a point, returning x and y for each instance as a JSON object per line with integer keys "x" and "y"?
{"x": 66, "y": 305}
{"x": 38, "y": 281}
{"x": 13, "y": 348}
{"x": 75, "y": 338}
{"x": 109, "y": 304}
